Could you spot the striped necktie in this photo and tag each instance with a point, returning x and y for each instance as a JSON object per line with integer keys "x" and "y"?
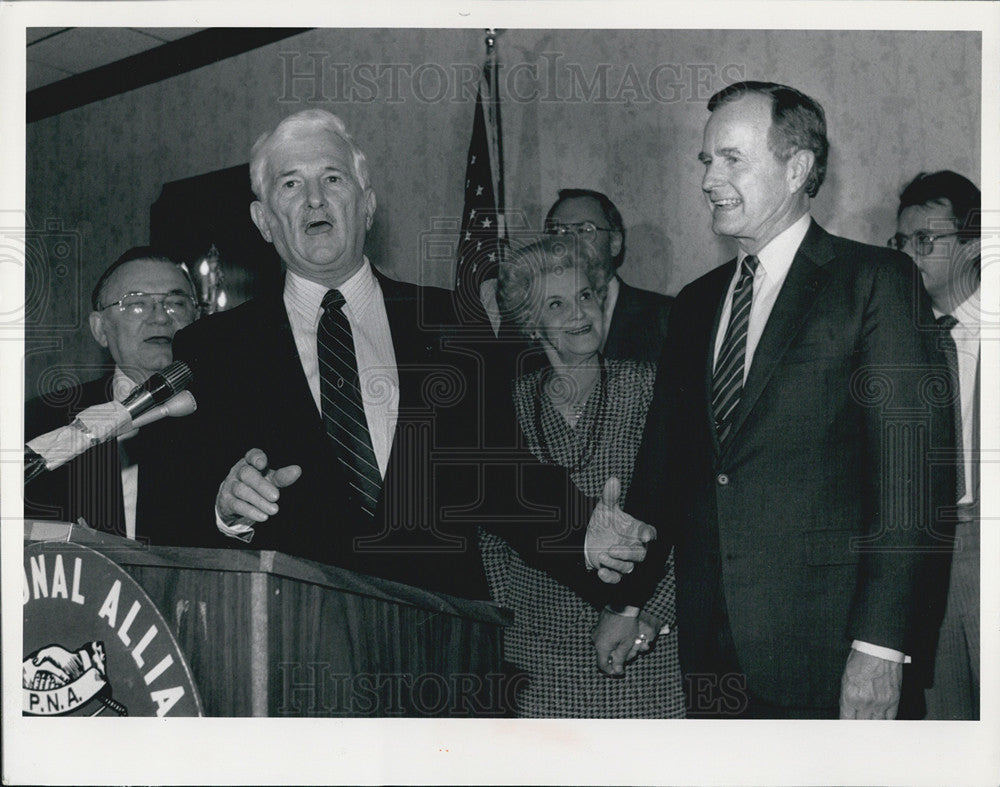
{"x": 727, "y": 381}
{"x": 945, "y": 323}
{"x": 342, "y": 406}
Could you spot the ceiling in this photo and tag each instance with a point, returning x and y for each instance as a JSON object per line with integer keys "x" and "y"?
{"x": 55, "y": 53}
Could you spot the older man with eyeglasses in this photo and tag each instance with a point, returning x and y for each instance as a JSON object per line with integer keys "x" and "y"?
{"x": 139, "y": 303}
{"x": 635, "y": 320}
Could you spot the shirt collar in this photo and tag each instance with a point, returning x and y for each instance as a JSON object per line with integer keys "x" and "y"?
{"x": 611, "y": 297}
{"x": 967, "y": 313}
{"x": 776, "y": 257}
{"x": 305, "y": 296}
{"x": 121, "y": 384}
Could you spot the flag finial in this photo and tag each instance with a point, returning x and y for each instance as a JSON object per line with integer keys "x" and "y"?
{"x": 491, "y": 39}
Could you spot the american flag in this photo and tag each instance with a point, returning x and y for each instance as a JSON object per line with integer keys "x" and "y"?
{"x": 483, "y": 235}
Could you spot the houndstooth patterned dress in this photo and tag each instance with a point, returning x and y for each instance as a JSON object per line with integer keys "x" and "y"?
{"x": 550, "y": 637}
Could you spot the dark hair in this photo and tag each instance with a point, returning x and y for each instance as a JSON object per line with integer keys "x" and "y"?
{"x": 797, "y": 123}
{"x": 935, "y": 187}
{"x": 519, "y": 290}
{"x": 611, "y": 213}
{"x": 133, "y": 254}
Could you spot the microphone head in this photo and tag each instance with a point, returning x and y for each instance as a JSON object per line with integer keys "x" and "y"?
{"x": 160, "y": 387}
{"x": 177, "y": 376}
{"x": 169, "y": 382}
{"x": 180, "y": 405}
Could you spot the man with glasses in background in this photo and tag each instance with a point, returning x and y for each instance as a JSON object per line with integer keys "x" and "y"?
{"x": 635, "y": 320}
{"x": 139, "y": 303}
{"x": 938, "y": 223}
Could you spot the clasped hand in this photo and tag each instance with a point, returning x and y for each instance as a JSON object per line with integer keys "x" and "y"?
{"x": 618, "y": 639}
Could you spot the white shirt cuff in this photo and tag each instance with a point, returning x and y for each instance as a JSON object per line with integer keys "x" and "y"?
{"x": 883, "y": 653}
{"x": 240, "y": 530}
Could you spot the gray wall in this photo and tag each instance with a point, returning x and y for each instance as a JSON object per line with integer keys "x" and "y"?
{"x": 619, "y": 111}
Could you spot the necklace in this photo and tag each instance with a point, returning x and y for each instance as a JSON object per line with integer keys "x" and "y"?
{"x": 586, "y": 454}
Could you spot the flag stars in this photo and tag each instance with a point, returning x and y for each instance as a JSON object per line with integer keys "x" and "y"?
{"x": 487, "y": 223}
{"x": 479, "y": 191}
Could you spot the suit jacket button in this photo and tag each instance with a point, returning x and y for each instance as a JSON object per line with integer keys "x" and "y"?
{"x": 722, "y": 478}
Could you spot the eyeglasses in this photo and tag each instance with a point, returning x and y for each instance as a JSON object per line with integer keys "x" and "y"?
{"x": 586, "y": 229}
{"x": 140, "y": 305}
{"x": 923, "y": 242}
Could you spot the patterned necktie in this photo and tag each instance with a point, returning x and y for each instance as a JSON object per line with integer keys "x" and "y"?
{"x": 727, "y": 381}
{"x": 340, "y": 396}
{"x": 946, "y": 322}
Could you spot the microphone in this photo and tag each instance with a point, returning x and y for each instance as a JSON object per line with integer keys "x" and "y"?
{"x": 158, "y": 388}
{"x": 176, "y": 407}
{"x": 103, "y": 422}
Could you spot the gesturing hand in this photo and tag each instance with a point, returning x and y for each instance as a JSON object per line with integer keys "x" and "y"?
{"x": 250, "y": 492}
{"x": 615, "y": 541}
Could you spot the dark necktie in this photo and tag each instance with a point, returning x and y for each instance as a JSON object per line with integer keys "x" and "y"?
{"x": 727, "y": 381}
{"x": 946, "y": 322}
{"x": 340, "y": 395}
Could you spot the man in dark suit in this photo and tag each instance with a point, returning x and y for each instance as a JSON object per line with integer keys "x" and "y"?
{"x": 785, "y": 455}
{"x": 635, "y": 320}
{"x": 938, "y": 225}
{"x": 139, "y": 303}
{"x": 336, "y": 419}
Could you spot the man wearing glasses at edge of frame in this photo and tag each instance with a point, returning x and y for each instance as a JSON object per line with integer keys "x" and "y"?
{"x": 938, "y": 224}
{"x": 140, "y": 301}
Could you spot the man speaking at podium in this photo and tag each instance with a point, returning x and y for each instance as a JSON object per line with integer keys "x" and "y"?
{"x": 335, "y": 424}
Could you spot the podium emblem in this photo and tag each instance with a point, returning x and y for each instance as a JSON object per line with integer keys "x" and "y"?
{"x": 88, "y": 627}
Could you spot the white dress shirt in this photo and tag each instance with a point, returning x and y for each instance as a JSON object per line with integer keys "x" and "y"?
{"x": 379, "y": 377}
{"x": 966, "y": 336}
{"x": 775, "y": 260}
{"x": 365, "y": 311}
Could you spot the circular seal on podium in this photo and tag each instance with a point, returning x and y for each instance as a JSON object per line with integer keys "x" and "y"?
{"x": 94, "y": 643}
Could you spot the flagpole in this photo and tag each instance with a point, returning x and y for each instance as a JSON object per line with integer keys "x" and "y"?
{"x": 482, "y": 234}
{"x": 497, "y": 136}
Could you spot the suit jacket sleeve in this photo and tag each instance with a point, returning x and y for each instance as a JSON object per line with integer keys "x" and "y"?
{"x": 900, "y": 371}
{"x": 651, "y": 498}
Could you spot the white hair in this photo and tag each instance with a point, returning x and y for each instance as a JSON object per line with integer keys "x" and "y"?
{"x": 291, "y": 125}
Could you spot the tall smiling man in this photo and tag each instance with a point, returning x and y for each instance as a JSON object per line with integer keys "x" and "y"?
{"x": 777, "y": 457}
{"x": 323, "y": 407}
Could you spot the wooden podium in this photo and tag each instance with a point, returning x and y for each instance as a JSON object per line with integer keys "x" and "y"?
{"x": 266, "y": 634}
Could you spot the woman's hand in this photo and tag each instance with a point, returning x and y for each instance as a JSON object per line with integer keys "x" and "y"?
{"x": 614, "y": 636}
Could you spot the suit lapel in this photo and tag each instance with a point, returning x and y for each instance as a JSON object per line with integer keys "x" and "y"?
{"x": 287, "y": 379}
{"x": 404, "y": 324}
{"x": 619, "y": 331}
{"x": 806, "y": 278}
